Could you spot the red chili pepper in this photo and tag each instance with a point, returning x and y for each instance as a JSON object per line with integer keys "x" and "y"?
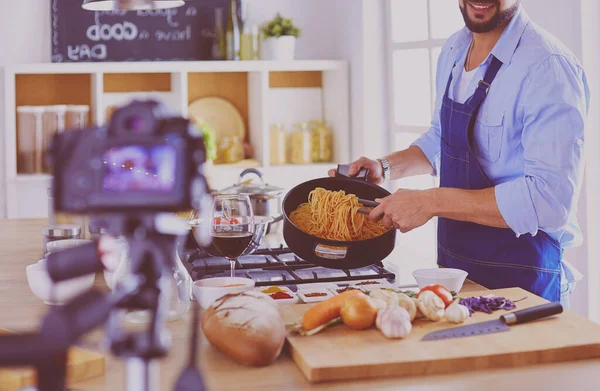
{"x": 280, "y": 295}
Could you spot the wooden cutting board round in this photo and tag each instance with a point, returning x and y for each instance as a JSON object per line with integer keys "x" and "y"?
{"x": 219, "y": 114}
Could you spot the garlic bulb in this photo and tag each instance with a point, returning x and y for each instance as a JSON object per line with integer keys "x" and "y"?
{"x": 394, "y": 322}
{"x": 456, "y": 313}
{"x": 431, "y": 306}
{"x": 408, "y": 304}
{"x": 419, "y": 314}
{"x": 380, "y": 304}
{"x": 389, "y": 297}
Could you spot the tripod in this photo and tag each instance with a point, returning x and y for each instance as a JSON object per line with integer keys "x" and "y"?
{"x": 152, "y": 242}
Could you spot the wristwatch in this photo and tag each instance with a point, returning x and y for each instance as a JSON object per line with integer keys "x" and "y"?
{"x": 385, "y": 166}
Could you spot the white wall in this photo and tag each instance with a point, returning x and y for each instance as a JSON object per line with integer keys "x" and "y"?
{"x": 564, "y": 20}
{"x": 590, "y": 15}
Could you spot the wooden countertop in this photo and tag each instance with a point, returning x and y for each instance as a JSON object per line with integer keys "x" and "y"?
{"x": 21, "y": 245}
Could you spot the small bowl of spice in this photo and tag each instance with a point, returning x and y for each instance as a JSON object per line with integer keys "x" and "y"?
{"x": 313, "y": 295}
{"x": 281, "y": 294}
{"x": 342, "y": 289}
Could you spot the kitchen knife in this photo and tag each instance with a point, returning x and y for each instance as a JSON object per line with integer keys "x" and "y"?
{"x": 497, "y": 325}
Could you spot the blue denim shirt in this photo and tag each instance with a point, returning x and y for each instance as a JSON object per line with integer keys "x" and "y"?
{"x": 529, "y": 133}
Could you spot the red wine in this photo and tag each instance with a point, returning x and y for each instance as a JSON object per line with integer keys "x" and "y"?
{"x": 231, "y": 244}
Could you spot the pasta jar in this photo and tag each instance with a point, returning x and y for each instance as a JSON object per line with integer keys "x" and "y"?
{"x": 277, "y": 140}
{"x": 321, "y": 142}
{"x": 300, "y": 144}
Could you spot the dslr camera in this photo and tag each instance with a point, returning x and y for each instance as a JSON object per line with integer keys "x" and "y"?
{"x": 143, "y": 161}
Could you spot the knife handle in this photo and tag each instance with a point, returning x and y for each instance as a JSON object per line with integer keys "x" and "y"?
{"x": 533, "y": 313}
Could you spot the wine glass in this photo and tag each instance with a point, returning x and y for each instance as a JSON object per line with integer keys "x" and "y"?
{"x": 232, "y": 226}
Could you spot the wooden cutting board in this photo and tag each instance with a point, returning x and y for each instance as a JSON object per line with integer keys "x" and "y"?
{"x": 82, "y": 365}
{"x": 340, "y": 353}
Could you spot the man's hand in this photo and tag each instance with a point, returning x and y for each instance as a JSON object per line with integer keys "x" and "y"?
{"x": 404, "y": 210}
{"x": 375, "y": 170}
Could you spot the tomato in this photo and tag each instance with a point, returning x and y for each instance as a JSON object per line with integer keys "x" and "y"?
{"x": 225, "y": 220}
{"x": 440, "y": 291}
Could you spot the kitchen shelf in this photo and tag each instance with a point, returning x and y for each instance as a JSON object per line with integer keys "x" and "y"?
{"x": 264, "y": 92}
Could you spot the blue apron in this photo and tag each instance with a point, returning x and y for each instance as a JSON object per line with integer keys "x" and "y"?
{"x": 493, "y": 257}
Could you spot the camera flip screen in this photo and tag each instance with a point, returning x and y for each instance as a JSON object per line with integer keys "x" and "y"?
{"x": 139, "y": 168}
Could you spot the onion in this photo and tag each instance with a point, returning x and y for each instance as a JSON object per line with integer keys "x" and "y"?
{"x": 359, "y": 312}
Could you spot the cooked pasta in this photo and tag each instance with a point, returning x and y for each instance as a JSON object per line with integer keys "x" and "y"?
{"x": 334, "y": 215}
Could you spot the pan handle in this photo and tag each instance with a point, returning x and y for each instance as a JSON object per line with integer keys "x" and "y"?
{"x": 343, "y": 171}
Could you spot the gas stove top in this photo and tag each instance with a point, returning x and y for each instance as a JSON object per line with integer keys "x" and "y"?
{"x": 278, "y": 266}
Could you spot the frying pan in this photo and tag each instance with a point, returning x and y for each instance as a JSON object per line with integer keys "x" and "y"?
{"x": 333, "y": 253}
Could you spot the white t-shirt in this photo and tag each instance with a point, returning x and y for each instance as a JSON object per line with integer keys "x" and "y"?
{"x": 461, "y": 87}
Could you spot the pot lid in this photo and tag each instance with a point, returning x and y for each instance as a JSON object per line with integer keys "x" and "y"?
{"x": 250, "y": 188}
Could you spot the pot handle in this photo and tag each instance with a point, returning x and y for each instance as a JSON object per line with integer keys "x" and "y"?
{"x": 343, "y": 171}
{"x": 276, "y": 219}
{"x": 250, "y": 171}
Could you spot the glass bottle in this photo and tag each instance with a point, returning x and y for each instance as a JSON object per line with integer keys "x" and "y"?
{"x": 180, "y": 288}
{"x": 246, "y": 40}
{"x": 220, "y": 43}
{"x": 321, "y": 142}
{"x": 233, "y": 32}
{"x": 300, "y": 144}
{"x": 277, "y": 141}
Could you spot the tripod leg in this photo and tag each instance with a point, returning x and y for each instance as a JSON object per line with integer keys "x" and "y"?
{"x": 142, "y": 375}
{"x": 52, "y": 372}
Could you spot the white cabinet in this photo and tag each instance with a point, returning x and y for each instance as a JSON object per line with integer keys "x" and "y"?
{"x": 263, "y": 91}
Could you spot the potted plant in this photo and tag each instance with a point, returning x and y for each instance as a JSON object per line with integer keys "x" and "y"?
{"x": 279, "y": 42}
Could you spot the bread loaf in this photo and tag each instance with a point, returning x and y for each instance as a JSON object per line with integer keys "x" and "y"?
{"x": 247, "y": 327}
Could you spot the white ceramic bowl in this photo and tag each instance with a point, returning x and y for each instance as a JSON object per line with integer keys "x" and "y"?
{"x": 41, "y": 285}
{"x": 59, "y": 245}
{"x": 451, "y": 279}
{"x": 208, "y": 290}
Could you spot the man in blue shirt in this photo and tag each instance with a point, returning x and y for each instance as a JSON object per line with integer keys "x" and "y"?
{"x": 506, "y": 140}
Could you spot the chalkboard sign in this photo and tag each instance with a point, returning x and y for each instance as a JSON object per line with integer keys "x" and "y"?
{"x": 178, "y": 34}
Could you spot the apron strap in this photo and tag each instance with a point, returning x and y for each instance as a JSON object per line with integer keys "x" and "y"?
{"x": 484, "y": 85}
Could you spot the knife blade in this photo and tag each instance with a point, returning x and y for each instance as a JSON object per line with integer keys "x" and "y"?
{"x": 497, "y": 325}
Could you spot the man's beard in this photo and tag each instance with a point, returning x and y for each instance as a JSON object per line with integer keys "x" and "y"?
{"x": 500, "y": 18}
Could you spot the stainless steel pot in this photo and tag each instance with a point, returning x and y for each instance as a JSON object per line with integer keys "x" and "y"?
{"x": 266, "y": 199}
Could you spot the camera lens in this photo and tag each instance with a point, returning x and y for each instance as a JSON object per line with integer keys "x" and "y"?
{"x": 136, "y": 124}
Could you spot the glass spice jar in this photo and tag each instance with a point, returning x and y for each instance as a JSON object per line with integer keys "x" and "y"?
{"x": 53, "y": 123}
{"x": 321, "y": 142}
{"x": 77, "y": 117}
{"x": 300, "y": 144}
{"x": 277, "y": 141}
{"x": 231, "y": 150}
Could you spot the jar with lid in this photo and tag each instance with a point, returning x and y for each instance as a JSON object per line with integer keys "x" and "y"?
{"x": 66, "y": 218}
{"x": 53, "y": 123}
{"x": 277, "y": 141}
{"x": 29, "y": 136}
{"x": 180, "y": 287}
{"x": 77, "y": 116}
{"x": 321, "y": 142}
{"x": 54, "y": 232}
{"x": 300, "y": 144}
{"x": 231, "y": 150}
